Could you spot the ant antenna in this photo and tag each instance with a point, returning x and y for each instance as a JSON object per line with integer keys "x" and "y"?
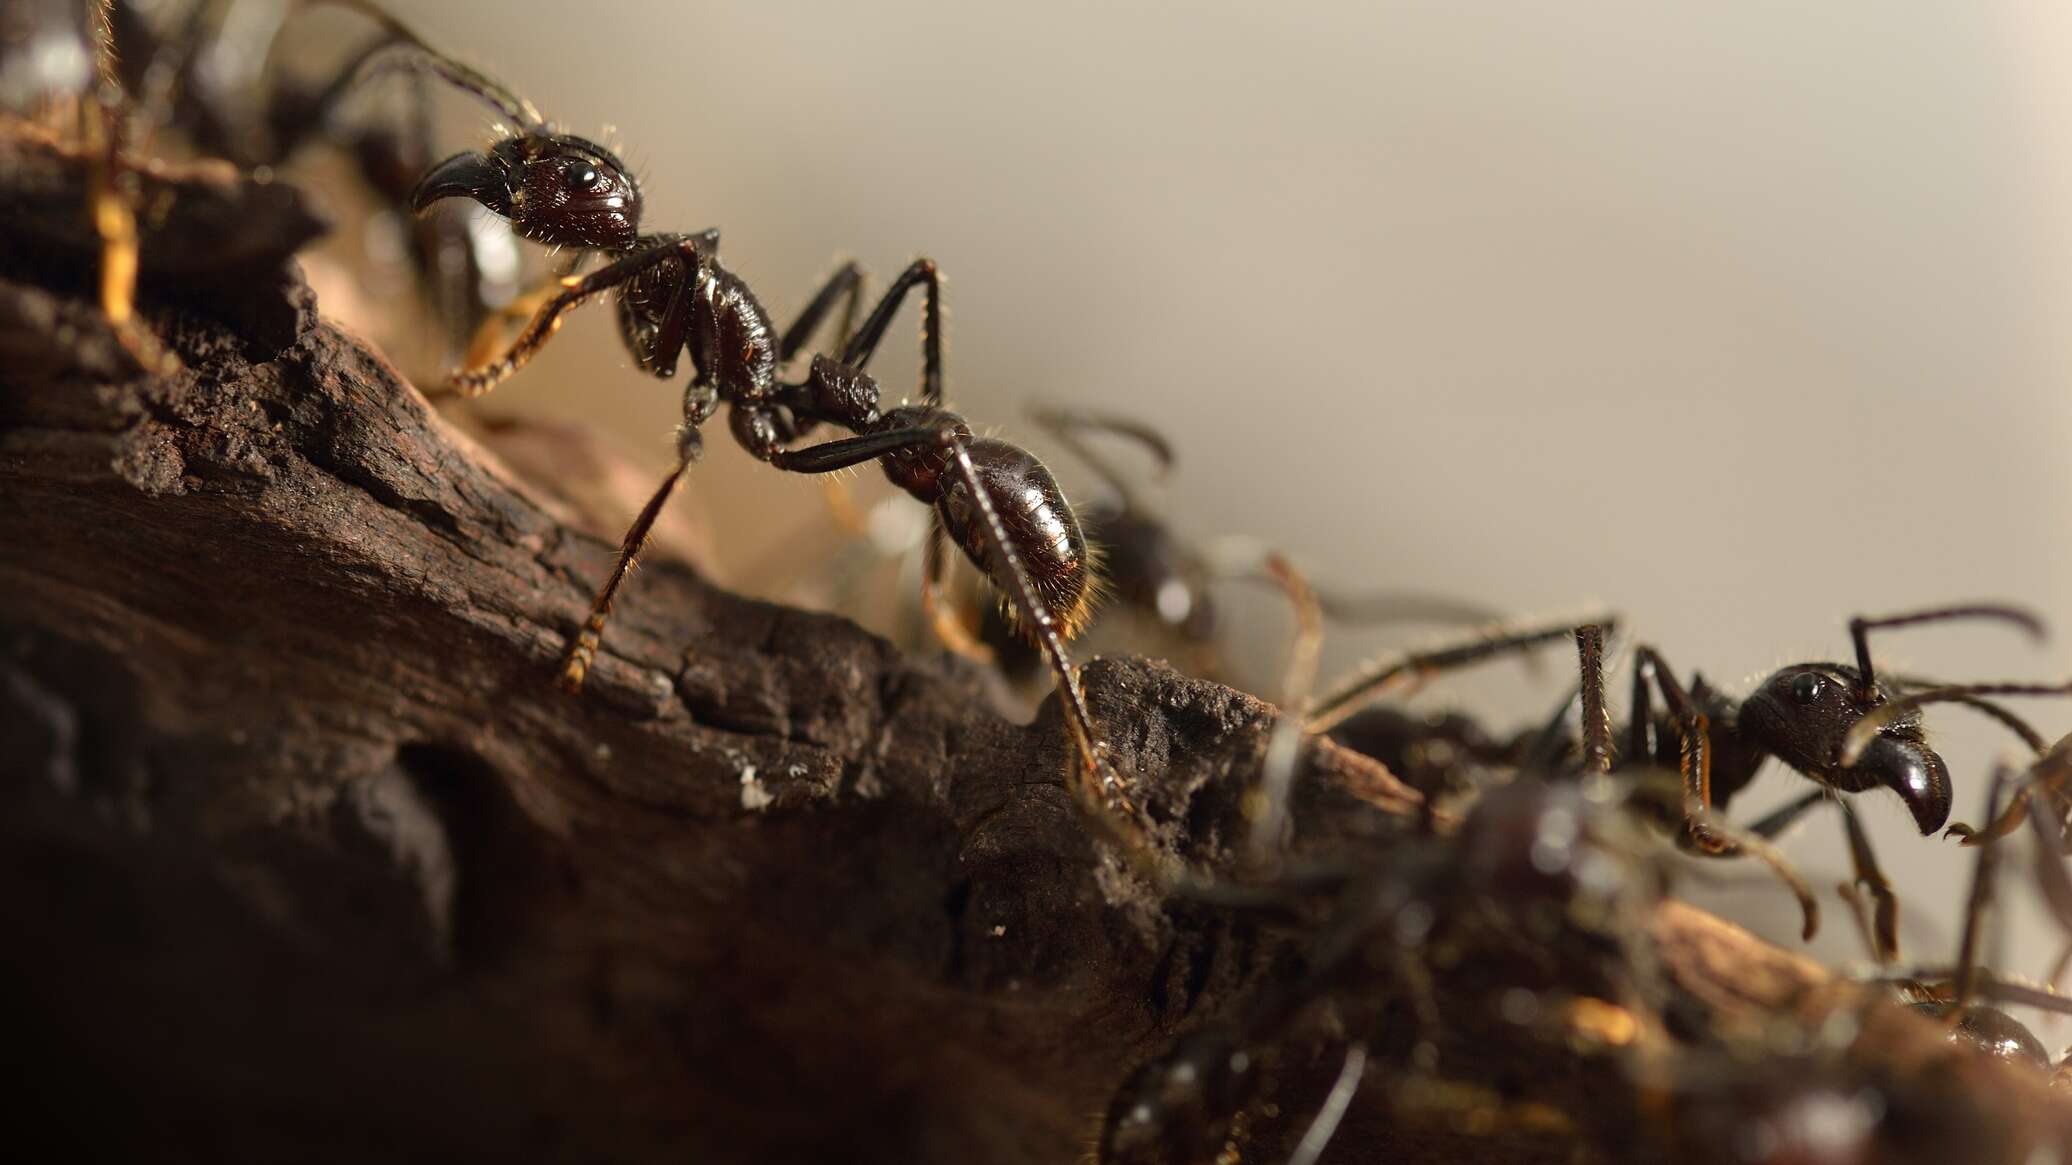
{"x": 1860, "y": 629}
{"x": 1868, "y": 725}
{"x": 1067, "y": 425}
{"x": 401, "y": 48}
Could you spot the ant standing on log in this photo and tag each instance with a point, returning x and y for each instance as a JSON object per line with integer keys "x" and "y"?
{"x": 1000, "y": 504}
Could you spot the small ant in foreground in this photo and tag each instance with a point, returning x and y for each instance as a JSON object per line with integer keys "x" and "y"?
{"x": 997, "y": 501}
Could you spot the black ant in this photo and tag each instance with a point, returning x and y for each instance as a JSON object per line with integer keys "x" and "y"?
{"x": 997, "y": 501}
{"x": 1803, "y": 715}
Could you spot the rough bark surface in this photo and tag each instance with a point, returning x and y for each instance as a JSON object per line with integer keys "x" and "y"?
{"x": 303, "y": 857}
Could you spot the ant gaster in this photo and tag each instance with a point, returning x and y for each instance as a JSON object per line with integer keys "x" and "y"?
{"x": 996, "y": 500}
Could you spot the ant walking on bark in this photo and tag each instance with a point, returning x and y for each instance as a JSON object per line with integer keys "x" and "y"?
{"x": 999, "y": 503}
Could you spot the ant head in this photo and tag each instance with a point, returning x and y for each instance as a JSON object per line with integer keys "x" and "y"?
{"x": 556, "y": 189}
{"x": 1802, "y": 714}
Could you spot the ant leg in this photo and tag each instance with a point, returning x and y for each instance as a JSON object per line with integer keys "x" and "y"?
{"x": 1774, "y": 825}
{"x": 1597, "y": 720}
{"x": 1106, "y": 791}
{"x": 2049, "y": 866}
{"x": 846, "y": 285}
{"x": 114, "y": 215}
{"x": 1385, "y": 673}
{"x": 1694, "y": 761}
{"x": 1978, "y": 906}
{"x": 1885, "y": 911}
{"x": 1324, "y": 1125}
{"x": 1640, "y": 725}
{"x": 1860, "y": 628}
{"x": 1269, "y": 805}
{"x": 583, "y": 651}
{"x": 479, "y": 379}
{"x": 943, "y": 616}
{"x": 858, "y": 351}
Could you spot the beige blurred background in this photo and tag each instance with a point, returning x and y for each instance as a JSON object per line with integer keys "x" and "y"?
{"x": 1739, "y": 318}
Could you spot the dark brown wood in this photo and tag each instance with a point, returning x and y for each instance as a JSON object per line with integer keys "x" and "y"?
{"x": 303, "y": 856}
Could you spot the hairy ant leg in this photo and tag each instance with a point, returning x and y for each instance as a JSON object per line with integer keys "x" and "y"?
{"x": 1884, "y": 928}
{"x": 1385, "y": 674}
{"x": 863, "y": 344}
{"x": 693, "y": 252}
{"x": 1597, "y": 719}
{"x": 690, "y": 445}
{"x": 844, "y": 286}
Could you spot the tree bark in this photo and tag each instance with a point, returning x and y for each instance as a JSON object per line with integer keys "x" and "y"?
{"x": 307, "y": 858}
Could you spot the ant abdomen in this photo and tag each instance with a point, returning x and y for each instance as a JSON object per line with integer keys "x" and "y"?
{"x": 1040, "y": 526}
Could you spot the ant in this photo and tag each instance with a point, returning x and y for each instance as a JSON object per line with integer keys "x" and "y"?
{"x": 999, "y": 503}
{"x": 1803, "y": 715}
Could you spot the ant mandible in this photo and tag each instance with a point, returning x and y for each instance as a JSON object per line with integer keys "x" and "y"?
{"x": 999, "y": 503}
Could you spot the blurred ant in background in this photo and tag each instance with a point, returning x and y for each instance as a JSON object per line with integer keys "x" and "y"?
{"x": 206, "y": 73}
{"x": 1164, "y": 582}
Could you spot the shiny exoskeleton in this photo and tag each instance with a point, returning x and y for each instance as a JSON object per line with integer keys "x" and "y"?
{"x": 1804, "y": 715}
{"x": 996, "y": 501}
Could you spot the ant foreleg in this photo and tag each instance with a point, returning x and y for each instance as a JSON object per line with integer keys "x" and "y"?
{"x": 857, "y": 353}
{"x": 692, "y": 252}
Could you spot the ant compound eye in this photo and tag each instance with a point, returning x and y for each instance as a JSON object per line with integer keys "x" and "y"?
{"x": 1807, "y": 687}
{"x": 581, "y": 176}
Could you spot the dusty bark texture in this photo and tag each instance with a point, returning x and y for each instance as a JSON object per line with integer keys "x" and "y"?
{"x": 303, "y": 857}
